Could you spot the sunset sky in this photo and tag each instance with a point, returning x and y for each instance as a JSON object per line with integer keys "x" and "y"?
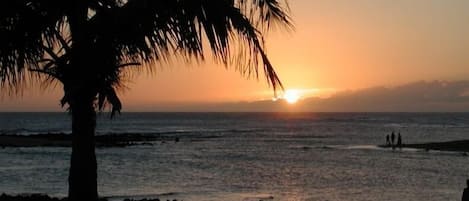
{"x": 337, "y": 45}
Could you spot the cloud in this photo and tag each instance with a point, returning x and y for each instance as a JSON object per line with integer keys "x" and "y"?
{"x": 422, "y": 96}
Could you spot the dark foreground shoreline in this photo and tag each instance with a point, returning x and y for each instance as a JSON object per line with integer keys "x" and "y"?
{"x": 454, "y": 146}
{"x": 44, "y": 197}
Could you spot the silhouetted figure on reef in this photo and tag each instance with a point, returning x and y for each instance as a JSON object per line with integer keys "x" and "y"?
{"x": 388, "y": 143}
{"x": 465, "y": 194}
{"x": 399, "y": 140}
{"x": 392, "y": 138}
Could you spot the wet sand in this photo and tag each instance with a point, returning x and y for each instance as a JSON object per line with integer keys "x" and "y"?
{"x": 44, "y": 197}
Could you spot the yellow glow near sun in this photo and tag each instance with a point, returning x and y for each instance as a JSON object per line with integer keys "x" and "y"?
{"x": 291, "y": 96}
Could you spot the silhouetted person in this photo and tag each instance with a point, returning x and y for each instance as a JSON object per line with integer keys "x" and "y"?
{"x": 392, "y": 138}
{"x": 388, "y": 143}
{"x": 465, "y": 194}
{"x": 399, "y": 140}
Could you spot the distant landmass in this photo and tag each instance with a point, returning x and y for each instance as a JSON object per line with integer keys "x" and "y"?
{"x": 422, "y": 96}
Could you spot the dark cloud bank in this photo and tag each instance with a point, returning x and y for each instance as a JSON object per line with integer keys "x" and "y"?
{"x": 434, "y": 96}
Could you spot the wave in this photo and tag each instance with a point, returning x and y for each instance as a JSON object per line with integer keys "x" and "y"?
{"x": 173, "y": 133}
{"x": 148, "y": 197}
{"x": 25, "y": 131}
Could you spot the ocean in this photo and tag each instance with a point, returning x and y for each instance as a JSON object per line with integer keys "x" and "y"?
{"x": 250, "y": 156}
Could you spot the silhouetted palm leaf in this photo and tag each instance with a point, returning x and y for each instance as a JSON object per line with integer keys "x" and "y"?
{"x": 24, "y": 27}
{"x": 137, "y": 31}
{"x": 153, "y": 30}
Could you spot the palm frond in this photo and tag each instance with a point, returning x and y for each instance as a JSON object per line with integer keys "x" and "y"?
{"x": 37, "y": 35}
{"x": 24, "y": 24}
{"x": 266, "y": 13}
{"x": 149, "y": 31}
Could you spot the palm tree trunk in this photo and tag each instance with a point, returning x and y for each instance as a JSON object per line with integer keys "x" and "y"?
{"x": 83, "y": 168}
{"x": 82, "y": 178}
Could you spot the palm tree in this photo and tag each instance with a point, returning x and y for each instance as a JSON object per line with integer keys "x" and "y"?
{"x": 86, "y": 44}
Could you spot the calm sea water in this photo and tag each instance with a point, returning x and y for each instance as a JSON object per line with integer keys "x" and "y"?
{"x": 251, "y": 156}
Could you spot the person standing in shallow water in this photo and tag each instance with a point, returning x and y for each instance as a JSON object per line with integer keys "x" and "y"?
{"x": 388, "y": 143}
{"x": 399, "y": 140}
{"x": 465, "y": 194}
{"x": 392, "y": 138}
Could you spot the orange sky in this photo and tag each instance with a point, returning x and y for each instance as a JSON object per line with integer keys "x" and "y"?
{"x": 337, "y": 45}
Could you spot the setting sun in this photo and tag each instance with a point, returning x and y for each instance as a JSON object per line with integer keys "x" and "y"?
{"x": 291, "y": 96}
